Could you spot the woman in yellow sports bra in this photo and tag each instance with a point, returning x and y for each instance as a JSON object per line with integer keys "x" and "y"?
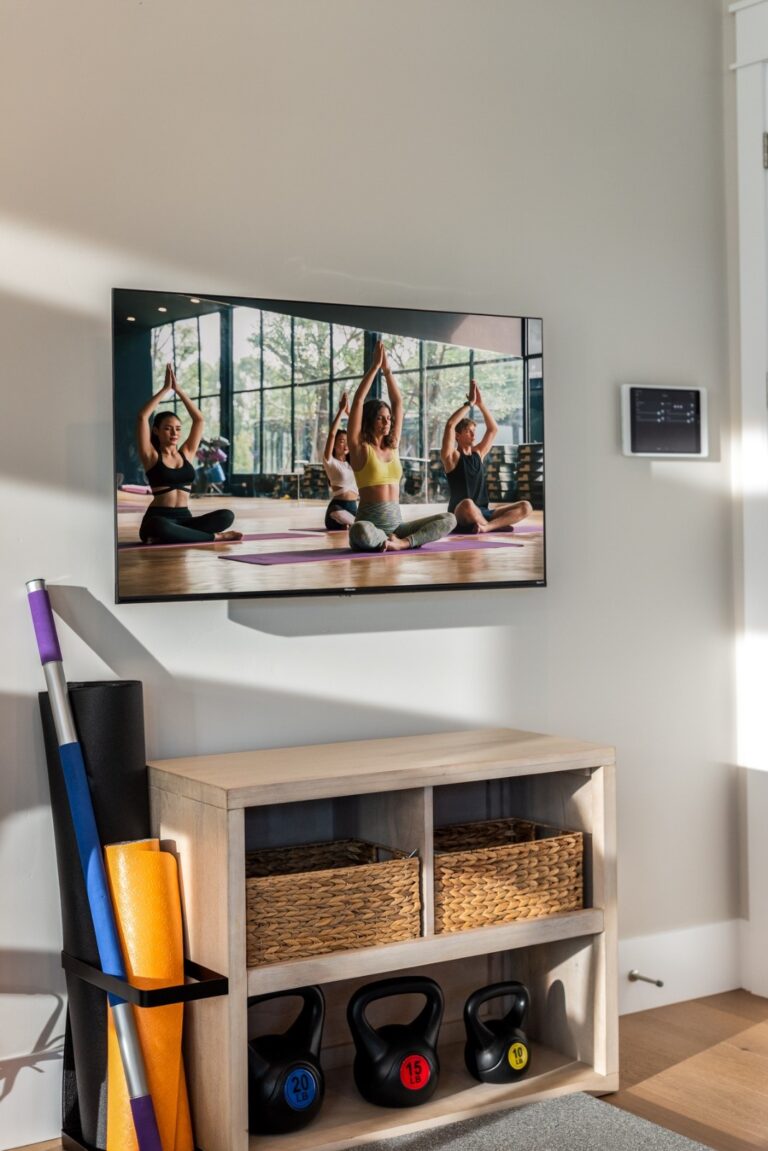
{"x": 373, "y": 434}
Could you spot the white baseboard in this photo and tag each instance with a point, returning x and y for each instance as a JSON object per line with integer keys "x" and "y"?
{"x": 691, "y": 962}
{"x": 754, "y": 948}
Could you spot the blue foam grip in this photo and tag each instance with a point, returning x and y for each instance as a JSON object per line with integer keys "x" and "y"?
{"x": 92, "y": 862}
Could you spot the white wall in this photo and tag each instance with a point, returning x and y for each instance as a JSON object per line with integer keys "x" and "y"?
{"x": 543, "y": 157}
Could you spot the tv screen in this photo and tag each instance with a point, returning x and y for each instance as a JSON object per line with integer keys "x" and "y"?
{"x": 289, "y": 448}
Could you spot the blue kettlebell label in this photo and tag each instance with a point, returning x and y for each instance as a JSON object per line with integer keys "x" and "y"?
{"x": 300, "y": 1089}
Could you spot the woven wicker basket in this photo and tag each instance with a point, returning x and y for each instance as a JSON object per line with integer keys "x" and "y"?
{"x": 322, "y": 897}
{"x": 505, "y": 869}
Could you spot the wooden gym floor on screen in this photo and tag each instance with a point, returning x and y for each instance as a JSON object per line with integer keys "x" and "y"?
{"x": 199, "y": 570}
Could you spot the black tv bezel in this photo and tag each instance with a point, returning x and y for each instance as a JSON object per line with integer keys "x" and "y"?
{"x": 314, "y": 593}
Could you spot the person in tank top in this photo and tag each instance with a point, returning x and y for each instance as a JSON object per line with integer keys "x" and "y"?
{"x": 373, "y": 432}
{"x": 342, "y": 509}
{"x": 170, "y": 471}
{"x": 465, "y": 472}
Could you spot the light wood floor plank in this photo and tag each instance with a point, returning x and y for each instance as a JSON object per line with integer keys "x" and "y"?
{"x": 53, "y": 1145}
{"x": 700, "y": 1069}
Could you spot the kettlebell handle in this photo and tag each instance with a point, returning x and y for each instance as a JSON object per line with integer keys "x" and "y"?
{"x": 306, "y": 1030}
{"x": 427, "y": 1021}
{"x": 515, "y": 1017}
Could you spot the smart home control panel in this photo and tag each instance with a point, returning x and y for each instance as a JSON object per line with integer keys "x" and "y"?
{"x": 659, "y": 421}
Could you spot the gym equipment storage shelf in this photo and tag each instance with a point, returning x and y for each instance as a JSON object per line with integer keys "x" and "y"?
{"x": 209, "y": 809}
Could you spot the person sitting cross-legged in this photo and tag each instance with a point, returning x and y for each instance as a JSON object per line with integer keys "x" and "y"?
{"x": 463, "y": 461}
{"x": 373, "y": 432}
{"x": 342, "y": 509}
{"x": 168, "y": 466}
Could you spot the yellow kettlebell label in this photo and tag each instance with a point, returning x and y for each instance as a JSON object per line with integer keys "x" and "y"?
{"x": 518, "y": 1056}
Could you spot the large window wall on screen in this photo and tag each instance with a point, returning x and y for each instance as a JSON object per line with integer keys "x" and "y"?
{"x": 267, "y": 377}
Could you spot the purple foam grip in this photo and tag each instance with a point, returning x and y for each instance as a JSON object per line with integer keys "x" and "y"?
{"x": 45, "y": 628}
{"x": 145, "y": 1124}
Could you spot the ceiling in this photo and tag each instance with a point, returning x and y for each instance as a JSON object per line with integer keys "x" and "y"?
{"x": 144, "y": 307}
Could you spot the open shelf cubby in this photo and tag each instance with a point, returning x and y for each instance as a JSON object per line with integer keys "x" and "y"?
{"x": 211, "y": 809}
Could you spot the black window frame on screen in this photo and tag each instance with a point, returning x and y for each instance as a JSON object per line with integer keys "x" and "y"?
{"x": 529, "y": 358}
{"x": 328, "y": 380}
{"x": 220, "y": 393}
{"x": 228, "y": 391}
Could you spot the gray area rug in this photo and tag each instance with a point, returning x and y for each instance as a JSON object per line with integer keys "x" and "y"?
{"x": 571, "y": 1123}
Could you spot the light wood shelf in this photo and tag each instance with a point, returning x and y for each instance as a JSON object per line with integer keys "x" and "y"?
{"x": 290, "y": 774}
{"x": 207, "y": 809}
{"x": 373, "y": 961}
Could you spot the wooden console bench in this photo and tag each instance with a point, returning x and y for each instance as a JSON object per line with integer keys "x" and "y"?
{"x": 211, "y": 808}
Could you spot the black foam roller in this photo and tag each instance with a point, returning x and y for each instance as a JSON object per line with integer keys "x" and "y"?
{"x": 109, "y": 717}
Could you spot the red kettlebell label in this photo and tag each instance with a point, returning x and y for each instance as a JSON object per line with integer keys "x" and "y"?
{"x": 415, "y": 1072}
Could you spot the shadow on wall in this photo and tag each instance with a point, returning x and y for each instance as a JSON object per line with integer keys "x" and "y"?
{"x": 184, "y": 713}
{"x": 417, "y": 611}
{"x": 49, "y": 349}
{"x": 181, "y": 711}
{"x": 33, "y": 973}
{"x": 22, "y": 758}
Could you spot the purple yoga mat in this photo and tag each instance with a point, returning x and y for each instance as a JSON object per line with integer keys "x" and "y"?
{"x": 321, "y": 555}
{"x": 257, "y": 536}
{"x": 519, "y": 529}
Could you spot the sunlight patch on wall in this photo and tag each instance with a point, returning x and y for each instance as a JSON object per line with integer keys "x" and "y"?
{"x": 71, "y": 272}
{"x": 750, "y": 474}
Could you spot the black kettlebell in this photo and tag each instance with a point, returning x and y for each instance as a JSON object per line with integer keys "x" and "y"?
{"x": 396, "y": 1065}
{"x": 497, "y": 1050}
{"x": 285, "y": 1082}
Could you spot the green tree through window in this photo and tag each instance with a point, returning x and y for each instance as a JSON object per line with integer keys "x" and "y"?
{"x": 280, "y": 378}
{"x": 193, "y": 346}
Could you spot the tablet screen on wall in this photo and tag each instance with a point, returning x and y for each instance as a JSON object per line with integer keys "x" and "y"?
{"x": 660, "y": 421}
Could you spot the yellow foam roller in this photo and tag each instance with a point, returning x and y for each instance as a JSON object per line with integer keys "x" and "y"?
{"x": 144, "y": 886}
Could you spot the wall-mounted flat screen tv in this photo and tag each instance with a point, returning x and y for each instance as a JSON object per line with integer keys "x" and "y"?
{"x": 290, "y": 448}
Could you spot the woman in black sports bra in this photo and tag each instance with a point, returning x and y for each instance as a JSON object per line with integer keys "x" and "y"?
{"x": 170, "y": 473}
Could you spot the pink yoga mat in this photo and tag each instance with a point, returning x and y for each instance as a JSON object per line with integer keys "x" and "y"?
{"x": 321, "y": 555}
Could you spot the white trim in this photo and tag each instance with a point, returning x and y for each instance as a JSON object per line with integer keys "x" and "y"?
{"x": 754, "y": 930}
{"x": 748, "y": 63}
{"x": 751, "y": 33}
{"x": 752, "y": 474}
{"x": 745, "y": 4}
{"x": 691, "y": 962}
